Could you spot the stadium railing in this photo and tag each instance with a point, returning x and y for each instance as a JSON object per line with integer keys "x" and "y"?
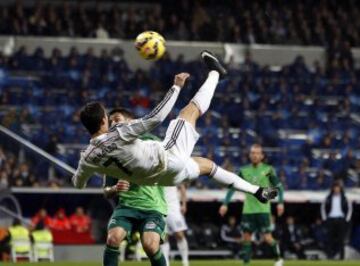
{"x": 272, "y": 55}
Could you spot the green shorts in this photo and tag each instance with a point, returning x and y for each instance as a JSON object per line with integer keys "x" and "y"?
{"x": 256, "y": 222}
{"x": 132, "y": 220}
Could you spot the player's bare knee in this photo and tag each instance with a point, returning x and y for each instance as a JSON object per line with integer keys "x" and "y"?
{"x": 190, "y": 113}
{"x": 205, "y": 165}
{"x": 268, "y": 238}
{"x": 151, "y": 246}
{"x": 179, "y": 236}
{"x": 115, "y": 237}
{"x": 113, "y": 240}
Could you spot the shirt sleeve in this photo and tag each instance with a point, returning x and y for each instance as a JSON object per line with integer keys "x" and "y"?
{"x": 82, "y": 175}
{"x": 230, "y": 193}
{"x": 275, "y": 181}
{"x": 137, "y": 127}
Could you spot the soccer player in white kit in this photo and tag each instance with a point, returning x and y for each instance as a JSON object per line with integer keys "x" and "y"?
{"x": 176, "y": 223}
{"x": 118, "y": 151}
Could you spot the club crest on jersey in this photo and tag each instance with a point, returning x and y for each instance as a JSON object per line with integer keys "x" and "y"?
{"x": 150, "y": 225}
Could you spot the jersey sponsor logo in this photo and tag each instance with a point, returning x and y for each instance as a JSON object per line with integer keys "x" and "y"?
{"x": 150, "y": 225}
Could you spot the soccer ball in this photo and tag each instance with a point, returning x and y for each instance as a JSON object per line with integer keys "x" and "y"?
{"x": 150, "y": 45}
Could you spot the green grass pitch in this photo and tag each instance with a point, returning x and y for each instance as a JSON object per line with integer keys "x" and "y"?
{"x": 201, "y": 263}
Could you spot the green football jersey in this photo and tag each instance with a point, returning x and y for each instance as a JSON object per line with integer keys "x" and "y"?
{"x": 142, "y": 197}
{"x": 262, "y": 175}
{"x": 258, "y": 175}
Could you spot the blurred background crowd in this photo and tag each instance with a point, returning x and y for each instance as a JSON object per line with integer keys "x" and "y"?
{"x": 310, "y": 22}
{"x": 41, "y": 97}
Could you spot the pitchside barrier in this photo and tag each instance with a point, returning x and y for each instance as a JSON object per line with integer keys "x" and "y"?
{"x": 272, "y": 55}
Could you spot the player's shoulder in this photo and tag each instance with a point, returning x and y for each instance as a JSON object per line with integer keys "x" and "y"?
{"x": 267, "y": 166}
{"x": 245, "y": 167}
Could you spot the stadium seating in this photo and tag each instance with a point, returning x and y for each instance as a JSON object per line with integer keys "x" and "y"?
{"x": 276, "y": 108}
{"x": 308, "y": 22}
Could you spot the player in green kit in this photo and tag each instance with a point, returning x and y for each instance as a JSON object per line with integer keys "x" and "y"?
{"x": 140, "y": 208}
{"x": 256, "y": 216}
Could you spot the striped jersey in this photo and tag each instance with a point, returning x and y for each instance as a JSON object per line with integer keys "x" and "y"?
{"x": 121, "y": 153}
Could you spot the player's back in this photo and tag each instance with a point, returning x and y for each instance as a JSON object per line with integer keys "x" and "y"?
{"x": 137, "y": 160}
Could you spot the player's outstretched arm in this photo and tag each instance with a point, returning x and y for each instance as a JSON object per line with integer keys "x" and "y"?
{"x": 224, "y": 207}
{"x": 147, "y": 123}
{"x": 275, "y": 181}
{"x": 82, "y": 175}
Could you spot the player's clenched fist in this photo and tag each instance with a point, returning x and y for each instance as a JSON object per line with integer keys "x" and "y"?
{"x": 122, "y": 186}
{"x": 180, "y": 79}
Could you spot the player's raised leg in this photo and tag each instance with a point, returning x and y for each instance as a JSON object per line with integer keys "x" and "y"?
{"x": 208, "y": 167}
{"x": 201, "y": 101}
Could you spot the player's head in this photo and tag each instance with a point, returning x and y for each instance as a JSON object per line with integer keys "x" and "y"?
{"x": 120, "y": 115}
{"x": 94, "y": 118}
{"x": 256, "y": 154}
{"x": 16, "y": 222}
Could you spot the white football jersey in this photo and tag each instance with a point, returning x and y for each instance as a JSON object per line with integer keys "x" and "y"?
{"x": 172, "y": 198}
{"x": 119, "y": 153}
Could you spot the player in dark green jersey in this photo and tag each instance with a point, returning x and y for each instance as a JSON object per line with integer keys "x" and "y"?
{"x": 256, "y": 216}
{"x": 140, "y": 208}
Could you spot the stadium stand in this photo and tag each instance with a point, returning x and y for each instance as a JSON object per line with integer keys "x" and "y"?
{"x": 308, "y": 22}
{"x": 47, "y": 98}
{"x": 306, "y": 116}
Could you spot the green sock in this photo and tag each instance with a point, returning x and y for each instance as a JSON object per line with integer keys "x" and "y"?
{"x": 246, "y": 252}
{"x": 158, "y": 259}
{"x": 275, "y": 249}
{"x": 111, "y": 256}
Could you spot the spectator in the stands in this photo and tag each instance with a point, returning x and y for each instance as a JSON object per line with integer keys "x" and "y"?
{"x": 80, "y": 222}
{"x": 60, "y": 221}
{"x": 319, "y": 25}
{"x": 4, "y": 180}
{"x": 322, "y": 180}
{"x": 291, "y": 237}
{"x": 230, "y": 234}
{"x": 336, "y": 212}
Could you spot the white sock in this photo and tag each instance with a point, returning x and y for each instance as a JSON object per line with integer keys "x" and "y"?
{"x": 204, "y": 95}
{"x": 228, "y": 178}
{"x": 184, "y": 251}
{"x": 165, "y": 249}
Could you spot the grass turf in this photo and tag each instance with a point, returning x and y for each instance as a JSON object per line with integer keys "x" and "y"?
{"x": 202, "y": 263}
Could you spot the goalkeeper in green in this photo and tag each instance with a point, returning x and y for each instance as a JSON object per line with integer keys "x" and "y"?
{"x": 256, "y": 216}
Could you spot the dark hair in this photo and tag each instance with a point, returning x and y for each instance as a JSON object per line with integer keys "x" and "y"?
{"x": 123, "y": 111}
{"x": 16, "y": 221}
{"x": 91, "y": 116}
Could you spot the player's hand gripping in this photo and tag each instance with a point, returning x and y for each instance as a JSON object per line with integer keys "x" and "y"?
{"x": 180, "y": 79}
{"x": 122, "y": 186}
{"x": 223, "y": 210}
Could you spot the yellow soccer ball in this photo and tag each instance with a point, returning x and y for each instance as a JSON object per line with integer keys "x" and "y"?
{"x": 150, "y": 45}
